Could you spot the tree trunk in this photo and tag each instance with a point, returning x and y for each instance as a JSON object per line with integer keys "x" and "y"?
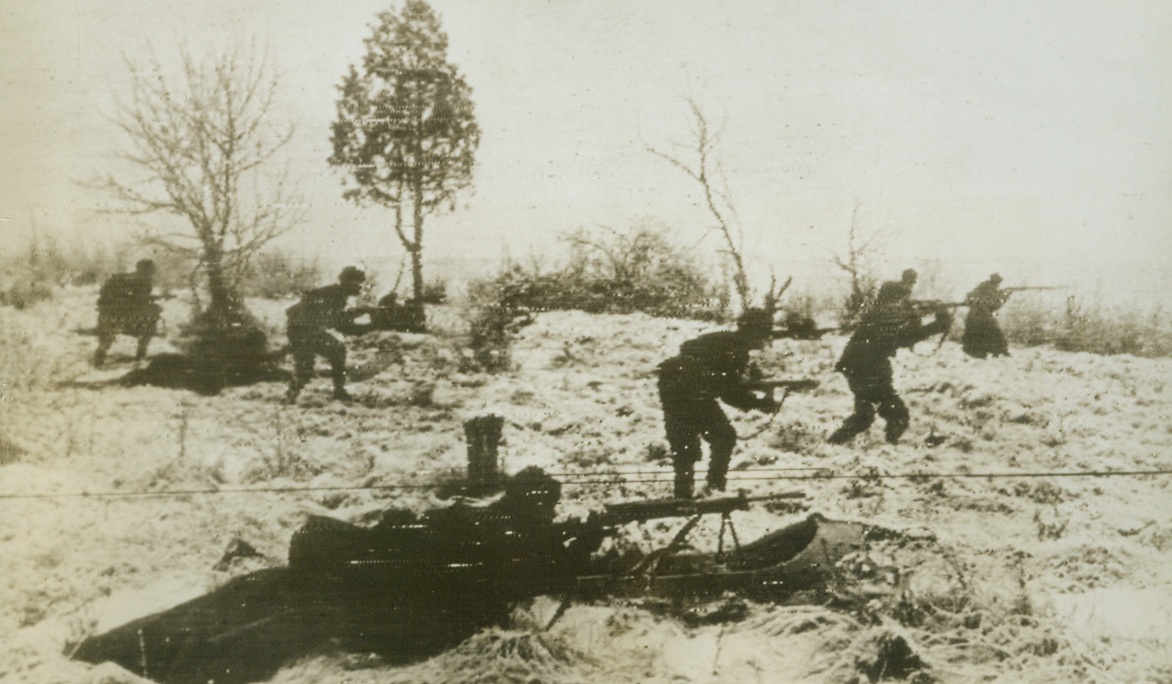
{"x": 221, "y": 300}
{"x": 417, "y": 253}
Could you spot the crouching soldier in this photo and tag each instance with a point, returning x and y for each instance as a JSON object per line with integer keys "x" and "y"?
{"x": 307, "y": 323}
{"x": 709, "y": 368}
{"x": 892, "y": 322}
{"x": 126, "y": 307}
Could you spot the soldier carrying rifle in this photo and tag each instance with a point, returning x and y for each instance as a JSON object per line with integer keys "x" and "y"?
{"x": 982, "y": 335}
{"x": 893, "y": 321}
{"x": 126, "y": 307}
{"x": 711, "y": 368}
{"x": 308, "y": 321}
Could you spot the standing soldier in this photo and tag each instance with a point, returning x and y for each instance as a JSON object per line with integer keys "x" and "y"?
{"x": 126, "y": 307}
{"x": 710, "y": 367}
{"x": 982, "y": 335}
{"x": 893, "y": 321}
{"x": 307, "y": 324}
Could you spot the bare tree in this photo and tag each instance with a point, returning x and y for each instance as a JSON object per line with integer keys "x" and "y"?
{"x": 857, "y": 263}
{"x": 702, "y": 169}
{"x": 205, "y": 140}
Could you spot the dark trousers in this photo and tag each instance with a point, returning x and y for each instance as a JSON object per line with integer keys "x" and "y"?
{"x": 873, "y": 390}
{"x": 686, "y": 422}
{"x": 139, "y": 321}
{"x": 305, "y": 345}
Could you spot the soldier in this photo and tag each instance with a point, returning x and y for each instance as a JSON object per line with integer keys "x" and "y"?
{"x": 126, "y": 307}
{"x": 307, "y": 324}
{"x": 890, "y": 323}
{"x": 710, "y": 367}
{"x": 982, "y": 335}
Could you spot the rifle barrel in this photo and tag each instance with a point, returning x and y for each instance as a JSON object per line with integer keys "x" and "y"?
{"x": 791, "y": 384}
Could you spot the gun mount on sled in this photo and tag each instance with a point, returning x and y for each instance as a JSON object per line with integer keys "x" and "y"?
{"x": 413, "y": 584}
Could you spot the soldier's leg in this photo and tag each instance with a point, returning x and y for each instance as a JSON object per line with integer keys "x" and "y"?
{"x": 864, "y": 413}
{"x": 685, "y": 449}
{"x": 145, "y": 328}
{"x": 855, "y": 423}
{"x": 302, "y": 366}
{"x": 335, "y": 352}
{"x": 722, "y": 439}
{"x": 894, "y": 411}
{"x": 107, "y": 331}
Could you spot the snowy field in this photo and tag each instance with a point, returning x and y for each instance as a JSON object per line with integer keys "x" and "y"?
{"x": 119, "y": 502}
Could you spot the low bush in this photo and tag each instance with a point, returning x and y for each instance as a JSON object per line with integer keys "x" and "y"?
{"x": 607, "y": 272}
{"x": 278, "y": 274}
{"x": 435, "y": 292}
{"x": 1089, "y": 327}
{"x": 612, "y": 272}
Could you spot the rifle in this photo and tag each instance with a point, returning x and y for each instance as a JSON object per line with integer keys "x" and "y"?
{"x": 933, "y": 305}
{"x": 800, "y": 333}
{"x": 614, "y": 515}
{"x": 790, "y": 385}
{"x": 1020, "y": 288}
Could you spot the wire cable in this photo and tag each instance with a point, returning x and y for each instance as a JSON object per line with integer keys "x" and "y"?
{"x": 599, "y": 479}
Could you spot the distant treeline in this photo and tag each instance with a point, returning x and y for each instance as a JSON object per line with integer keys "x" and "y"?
{"x": 639, "y": 270}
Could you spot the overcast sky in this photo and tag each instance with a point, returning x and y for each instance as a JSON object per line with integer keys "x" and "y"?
{"x": 1026, "y": 136}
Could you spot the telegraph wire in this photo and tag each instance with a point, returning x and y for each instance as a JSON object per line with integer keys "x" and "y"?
{"x": 600, "y": 479}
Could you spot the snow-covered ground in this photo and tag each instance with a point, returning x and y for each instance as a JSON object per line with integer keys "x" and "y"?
{"x": 1034, "y": 575}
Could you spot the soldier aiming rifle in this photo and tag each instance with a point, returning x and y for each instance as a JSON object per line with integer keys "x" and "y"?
{"x": 710, "y": 369}
{"x": 893, "y": 321}
{"x": 982, "y": 334}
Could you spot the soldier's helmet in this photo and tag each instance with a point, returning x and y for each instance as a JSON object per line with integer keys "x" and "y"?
{"x": 909, "y": 276}
{"x": 995, "y": 278}
{"x": 145, "y": 267}
{"x": 351, "y": 275}
{"x": 755, "y": 322}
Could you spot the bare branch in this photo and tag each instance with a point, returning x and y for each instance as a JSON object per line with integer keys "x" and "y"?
{"x": 203, "y": 139}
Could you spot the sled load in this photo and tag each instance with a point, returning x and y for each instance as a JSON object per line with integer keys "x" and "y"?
{"x": 414, "y": 584}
